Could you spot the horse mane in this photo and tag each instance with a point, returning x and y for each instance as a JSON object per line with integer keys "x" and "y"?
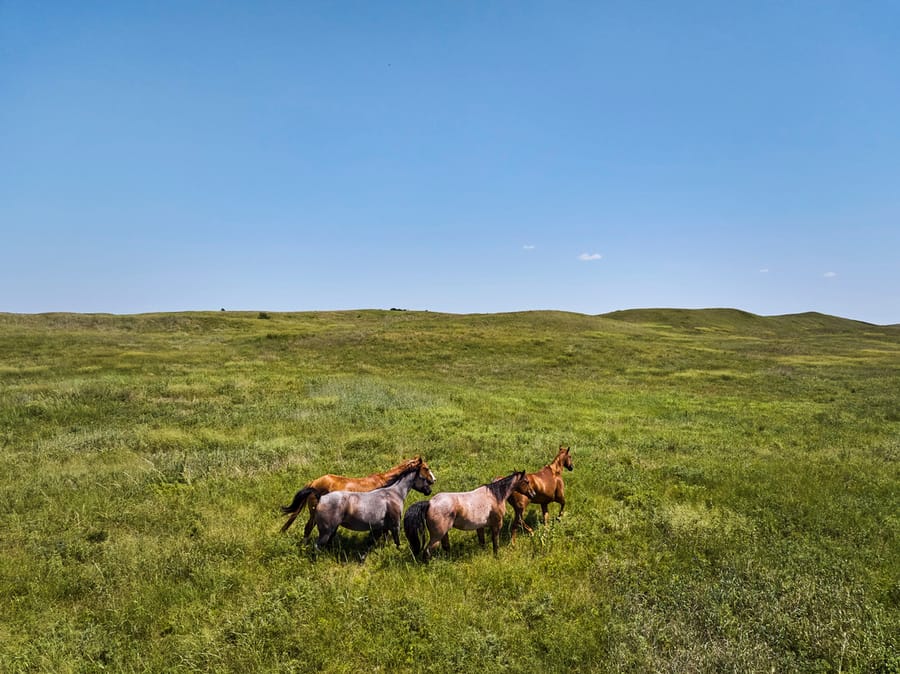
{"x": 411, "y": 465}
{"x": 501, "y": 488}
{"x": 402, "y": 466}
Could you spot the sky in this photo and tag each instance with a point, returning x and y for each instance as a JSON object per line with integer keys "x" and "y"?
{"x": 463, "y": 157}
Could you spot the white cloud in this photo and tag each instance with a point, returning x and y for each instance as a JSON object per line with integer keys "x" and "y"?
{"x": 588, "y": 257}
{"x": 830, "y": 274}
{"x": 763, "y": 271}
{"x": 527, "y": 247}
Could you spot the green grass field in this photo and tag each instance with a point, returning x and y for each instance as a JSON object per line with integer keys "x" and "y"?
{"x": 735, "y": 503}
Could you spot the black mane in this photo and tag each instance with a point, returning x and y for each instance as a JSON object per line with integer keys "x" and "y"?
{"x": 501, "y": 488}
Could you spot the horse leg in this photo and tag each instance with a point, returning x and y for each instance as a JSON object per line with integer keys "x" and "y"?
{"x": 518, "y": 521}
{"x": 481, "y": 536}
{"x": 495, "y": 537}
{"x": 392, "y": 527}
{"x": 545, "y": 511}
{"x": 437, "y": 535}
{"x": 311, "y": 503}
{"x": 325, "y": 535}
{"x": 392, "y": 523}
{"x": 327, "y": 521}
{"x": 561, "y": 498}
{"x": 431, "y": 547}
{"x": 524, "y": 524}
{"x": 376, "y": 534}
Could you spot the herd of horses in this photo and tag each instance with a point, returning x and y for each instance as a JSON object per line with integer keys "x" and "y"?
{"x": 375, "y": 504}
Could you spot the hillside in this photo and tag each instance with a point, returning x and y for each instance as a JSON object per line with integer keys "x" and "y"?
{"x": 732, "y": 505}
{"x": 742, "y": 322}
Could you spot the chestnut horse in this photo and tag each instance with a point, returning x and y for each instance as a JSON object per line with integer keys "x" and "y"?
{"x": 377, "y": 511}
{"x": 476, "y": 509}
{"x": 548, "y": 487}
{"x": 326, "y": 483}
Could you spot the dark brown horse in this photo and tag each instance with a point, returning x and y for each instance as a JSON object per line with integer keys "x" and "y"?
{"x": 327, "y": 483}
{"x": 548, "y": 487}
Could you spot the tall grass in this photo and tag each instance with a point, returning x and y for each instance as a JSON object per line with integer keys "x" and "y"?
{"x": 733, "y": 505}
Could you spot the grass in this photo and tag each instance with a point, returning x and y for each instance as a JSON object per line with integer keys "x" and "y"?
{"x": 734, "y": 504}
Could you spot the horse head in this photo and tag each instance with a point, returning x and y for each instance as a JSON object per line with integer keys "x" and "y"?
{"x": 523, "y": 485}
{"x": 566, "y": 458}
{"x": 424, "y": 477}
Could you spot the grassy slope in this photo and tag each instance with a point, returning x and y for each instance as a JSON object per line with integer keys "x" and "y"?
{"x": 733, "y": 506}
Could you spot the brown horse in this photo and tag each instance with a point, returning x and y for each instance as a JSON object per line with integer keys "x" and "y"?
{"x": 548, "y": 487}
{"x": 477, "y": 509}
{"x": 327, "y": 483}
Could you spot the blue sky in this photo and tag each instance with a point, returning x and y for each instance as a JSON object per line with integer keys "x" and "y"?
{"x": 450, "y": 156}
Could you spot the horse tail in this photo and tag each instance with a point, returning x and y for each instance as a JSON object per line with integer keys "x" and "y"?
{"x": 296, "y": 506}
{"x": 414, "y": 526}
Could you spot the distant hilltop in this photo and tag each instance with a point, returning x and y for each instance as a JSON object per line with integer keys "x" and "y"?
{"x": 697, "y": 320}
{"x": 735, "y": 320}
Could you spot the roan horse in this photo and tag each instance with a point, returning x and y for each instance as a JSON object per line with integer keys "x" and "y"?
{"x": 476, "y": 509}
{"x": 548, "y": 487}
{"x": 326, "y": 483}
{"x": 377, "y": 511}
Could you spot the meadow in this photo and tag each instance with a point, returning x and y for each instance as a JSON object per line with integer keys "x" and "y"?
{"x": 734, "y": 504}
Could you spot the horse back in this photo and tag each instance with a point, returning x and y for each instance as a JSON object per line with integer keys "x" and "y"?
{"x": 466, "y": 510}
{"x": 329, "y": 483}
{"x": 356, "y": 511}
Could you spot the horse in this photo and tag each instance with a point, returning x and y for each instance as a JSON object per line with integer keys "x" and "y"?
{"x": 477, "y": 509}
{"x": 327, "y": 483}
{"x": 377, "y": 511}
{"x": 548, "y": 487}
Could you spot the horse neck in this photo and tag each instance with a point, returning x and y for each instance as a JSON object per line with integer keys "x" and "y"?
{"x": 556, "y": 465}
{"x": 391, "y": 473}
{"x": 402, "y": 486}
{"x": 501, "y": 496}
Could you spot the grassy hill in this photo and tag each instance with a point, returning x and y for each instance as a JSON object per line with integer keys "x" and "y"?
{"x": 736, "y": 321}
{"x": 733, "y": 505}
